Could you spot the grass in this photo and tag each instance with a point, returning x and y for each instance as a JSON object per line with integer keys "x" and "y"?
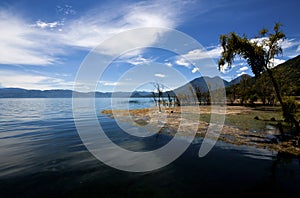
{"x": 238, "y": 127}
{"x": 246, "y": 121}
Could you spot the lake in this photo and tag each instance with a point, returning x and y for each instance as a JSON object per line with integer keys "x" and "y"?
{"x": 41, "y": 155}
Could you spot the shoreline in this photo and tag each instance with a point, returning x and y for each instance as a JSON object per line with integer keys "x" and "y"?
{"x": 231, "y": 133}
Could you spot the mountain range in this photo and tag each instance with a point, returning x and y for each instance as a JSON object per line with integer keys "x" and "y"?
{"x": 289, "y": 69}
{"x": 24, "y": 93}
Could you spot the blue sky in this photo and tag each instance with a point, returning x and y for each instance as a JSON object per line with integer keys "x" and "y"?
{"x": 43, "y": 43}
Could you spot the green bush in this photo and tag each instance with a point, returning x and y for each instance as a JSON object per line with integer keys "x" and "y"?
{"x": 290, "y": 106}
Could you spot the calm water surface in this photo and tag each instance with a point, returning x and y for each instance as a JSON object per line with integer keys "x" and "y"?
{"x": 41, "y": 155}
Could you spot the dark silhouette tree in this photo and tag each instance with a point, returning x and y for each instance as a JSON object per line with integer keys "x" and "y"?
{"x": 158, "y": 88}
{"x": 169, "y": 100}
{"x": 199, "y": 95}
{"x": 259, "y": 54}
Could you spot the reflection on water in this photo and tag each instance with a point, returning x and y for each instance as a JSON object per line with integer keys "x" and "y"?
{"x": 41, "y": 154}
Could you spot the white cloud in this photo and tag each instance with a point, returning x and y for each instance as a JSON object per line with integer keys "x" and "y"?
{"x": 108, "y": 83}
{"x": 138, "y": 60}
{"x": 242, "y": 69}
{"x": 23, "y": 44}
{"x": 93, "y": 28}
{"x": 160, "y": 75}
{"x": 225, "y": 68}
{"x": 182, "y": 62}
{"x": 195, "y": 69}
{"x": 298, "y": 49}
{"x": 40, "y": 42}
{"x": 242, "y": 73}
{"x": 42, "y": 24}
{"x": 29, "y": 81}
{"x": 65, "y": 10}
{"x": 168, "y": 64}
{"x": 276, "y": 61}
{"x": 288, "y": 43}
{"x": 199, "y": 54}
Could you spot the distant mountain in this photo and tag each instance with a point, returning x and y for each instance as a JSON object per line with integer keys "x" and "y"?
{"x": 24, "y": 93}
{"x": 287, "y": 71}
{"x": 203, "y": 83}
{"x": 286, "y": 74}
{"x": 237, "y": 80}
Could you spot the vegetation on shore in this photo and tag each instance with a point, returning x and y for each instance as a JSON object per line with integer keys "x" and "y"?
{"x": 240, "y": 127}
{"x": 267, "y": 115}
{"x": 259, "y": 54}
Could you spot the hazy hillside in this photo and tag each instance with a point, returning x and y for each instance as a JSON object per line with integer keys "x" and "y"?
{"x": 202, "y": 83}
{"x": 287, "y": 74}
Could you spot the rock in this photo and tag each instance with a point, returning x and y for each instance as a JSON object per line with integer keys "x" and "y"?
{"x": 256, "y": 118}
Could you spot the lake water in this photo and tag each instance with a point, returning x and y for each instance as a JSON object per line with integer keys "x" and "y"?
{"x": 41, "y": 155}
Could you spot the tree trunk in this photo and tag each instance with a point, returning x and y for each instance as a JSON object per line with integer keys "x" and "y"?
{"x": 283, "y": 107}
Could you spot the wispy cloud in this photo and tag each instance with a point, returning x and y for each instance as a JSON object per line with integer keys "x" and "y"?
{"x": 195, "y": 70}
{"x": 23, "y": 44}
{"x": 288, "y": 43}
{"x": 65, "y": 9}
{"x": 42, "y": 24}
{"x": 160, "y": 75}
{"x": 242, "y": 73}
{"x": 277, "y": 61}
{"x": 41, "y": 42}
{"x": 30, "y": 81}
{"x": 168, "y": 64}
{"x": 198, "y": 54}
{"x": 109, "y": 83}
{"x": 182, "y": 62}
{"x": 138, "y": 60}
{"x": 242, "y": 69}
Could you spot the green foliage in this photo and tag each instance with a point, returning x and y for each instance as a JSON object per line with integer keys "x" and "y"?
{"x": 288, "y": 76}
{"x": 257, "y": 52}
{"x": 291, "y": 109}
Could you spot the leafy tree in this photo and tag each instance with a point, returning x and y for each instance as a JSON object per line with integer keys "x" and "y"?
{"x": 259, "y": 54}
{"x": 206, "y": 97}
{"x": 244, "y": 89}
{"x": 263, "y": 90}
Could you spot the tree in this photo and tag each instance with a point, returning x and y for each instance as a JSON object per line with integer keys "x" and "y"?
{"x": 169, "y": 100}
{"x": 263, "y": 90}
{"x": 193, "y": 95}
{"x": 154, "y": 97}
{"x": 259, "y": 54}
{"x": 199, "y": 95}
{"x": 232, "y": 92}
{"x": 244, "y": 89}
{"x": 158, "y": 88}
